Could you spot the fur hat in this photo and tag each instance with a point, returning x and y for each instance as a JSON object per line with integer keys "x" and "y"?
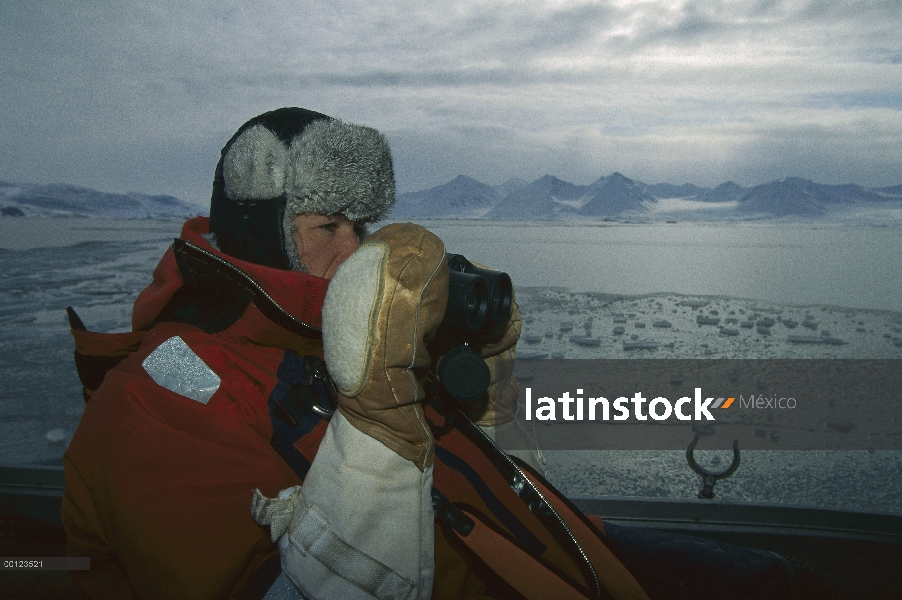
{"x": 293, "y": 161}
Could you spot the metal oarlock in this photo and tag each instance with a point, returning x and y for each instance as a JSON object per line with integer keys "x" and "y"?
{"x": 708, "y": 478}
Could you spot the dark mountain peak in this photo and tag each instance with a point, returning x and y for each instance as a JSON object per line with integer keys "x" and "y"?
{"x": 618, "y": 181}
{"x": 459, "y": 183}
{"x": 462, "y": 196}
{"x": 473, "y": 187}
{"x": 462, "y": 180}
{"x": 548, "y": 180}
{"x": 537, "y": 200}
{"x": 790, "y": 196}
{"x": 797, "y": 181}
{"x": 551, "y": 185}
{"x": 725, "y": 192}
{"x": 615, "y": 177}
{"x": 615, "y": 194}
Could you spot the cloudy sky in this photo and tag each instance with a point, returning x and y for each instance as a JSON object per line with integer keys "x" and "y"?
{"x": 140, "y": 96}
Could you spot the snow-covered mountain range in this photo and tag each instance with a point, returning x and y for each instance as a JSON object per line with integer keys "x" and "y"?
{"x": 613, "y": 197}
{"x": 618, "y": 197}
{"x": 60, "y": 200}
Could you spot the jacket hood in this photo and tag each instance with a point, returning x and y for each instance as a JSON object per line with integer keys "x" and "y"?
{"x": 194, "y": 278}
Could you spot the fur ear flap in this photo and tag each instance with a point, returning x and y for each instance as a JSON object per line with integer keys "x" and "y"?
{"x": 340, "y": 168}
{"x": 254, "y": 166}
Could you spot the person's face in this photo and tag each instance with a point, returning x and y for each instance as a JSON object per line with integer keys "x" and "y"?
{"x": 324, "y": 242}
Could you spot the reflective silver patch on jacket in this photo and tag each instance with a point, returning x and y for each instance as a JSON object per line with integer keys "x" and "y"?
{"x": 174, "y": 366}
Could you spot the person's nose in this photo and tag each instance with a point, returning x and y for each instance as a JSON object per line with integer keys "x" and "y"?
{"x": 349, "y": 243}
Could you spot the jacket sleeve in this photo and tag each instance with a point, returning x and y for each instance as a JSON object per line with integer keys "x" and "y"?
{"x": 361, "y": 526}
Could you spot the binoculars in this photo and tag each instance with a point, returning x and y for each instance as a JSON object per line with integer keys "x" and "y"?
{"x": 479, "y": 300}
{"x": 479, "y": 308}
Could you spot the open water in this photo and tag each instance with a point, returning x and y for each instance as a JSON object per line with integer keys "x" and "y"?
{"x": 840, "y": 265}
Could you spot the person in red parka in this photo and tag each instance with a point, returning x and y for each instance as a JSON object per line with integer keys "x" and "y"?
{"x": 271, "y": 427}
{"x": 161, "y": 470}
{"x": 220, "y": 390}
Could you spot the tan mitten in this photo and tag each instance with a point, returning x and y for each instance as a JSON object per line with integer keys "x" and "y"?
{"x": 382, "y": 307}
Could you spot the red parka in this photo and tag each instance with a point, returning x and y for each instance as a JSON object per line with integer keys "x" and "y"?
{"x": 159, "y": 484}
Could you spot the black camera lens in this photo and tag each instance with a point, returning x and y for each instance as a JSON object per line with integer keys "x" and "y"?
{"x": 467, "y": 301}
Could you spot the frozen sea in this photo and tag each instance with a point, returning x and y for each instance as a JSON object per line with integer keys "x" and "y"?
{"x": 847, "y": 278}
